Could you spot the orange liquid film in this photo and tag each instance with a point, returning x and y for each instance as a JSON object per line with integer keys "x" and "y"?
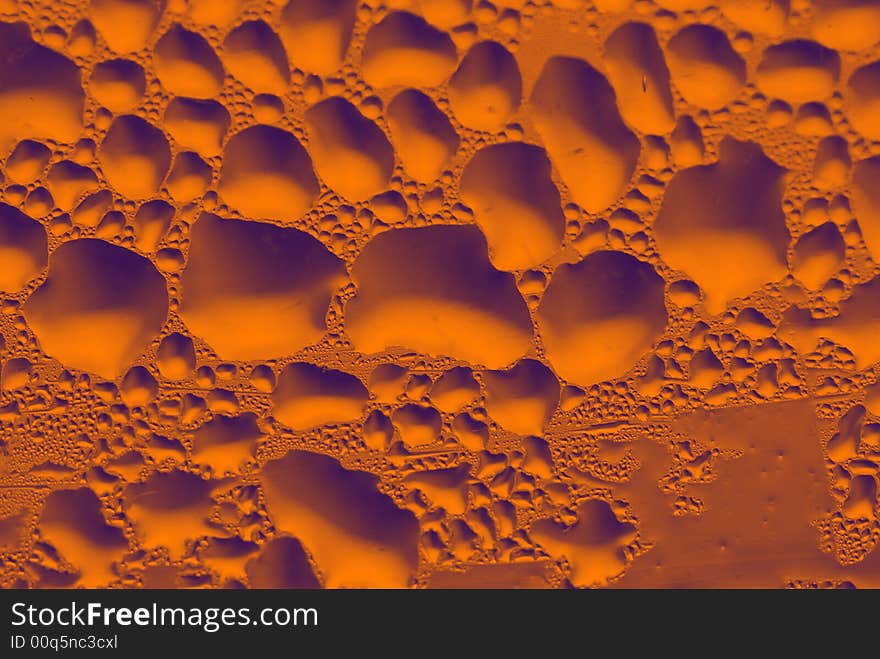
{"x": 439, "y": 293}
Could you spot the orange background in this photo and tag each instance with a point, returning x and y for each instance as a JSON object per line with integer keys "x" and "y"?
{"x": 439, "y": 293}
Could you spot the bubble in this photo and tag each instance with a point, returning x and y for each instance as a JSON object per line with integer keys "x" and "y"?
{"x": 575, "y": 113}
{"x": 118, "y": 84}
{"x": 761, "y": 16}
{"x": 316, "y": 33}
{"x": 23, "y": 248}
{"x": 267, "y": 174}
{"x": 705, "y": 68}
{"x": 189, "y": 177}
{"x": 621, "y": 313}
{"x": 198, "y": 125}
{"x": 41, "y": 94}
{"x": 27, "y": 161}
{"x": 593, "y": 545}
{"x": 151, "y": 222}
{"x": 866, "y": 200}
{"x": 415, "y": 299}
{"x": 403, "y": 49}
{"x": 640, "y": 77}
{"x": 863, "y": 94}
{"x": 422, "y": 135}
{"x": 274, "y": 302}
{"x": 176, "y": 357}
{"x": 169, "y": 509}
{"x": 798, "y": 71}
{"x": 515, "y": 203}
{"x": 307, "y": 396}
{"x": 138, "y": 387}
{"x": 68, "y": 182}
{"x": 126, "y": 25}
{"x": 818, "y": 254}
{"x": 351, "y": 153}
{"x": 847, "y": 26}
{"x": 135, "y": 156}
{"x": 72, "y": 521}
{"x": 99, "y": 306}
{"x": 282, "y": 563}
{"x": 16, "y": 373}
{"x": 268, "y": 108}
{"x": 226, "y": 442}
{"x": 485, "y": 90}
{"x": 417, "y": 424}
{"x": 341, "y": 519}
{"x": 444, "y": 488}
{"x": 253, "y": 53}
{"x": 454, "y": 389}
{"x": 703, "y": 203}
{"x": 187, "y": 65}
{"x": 522, "y": 398}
